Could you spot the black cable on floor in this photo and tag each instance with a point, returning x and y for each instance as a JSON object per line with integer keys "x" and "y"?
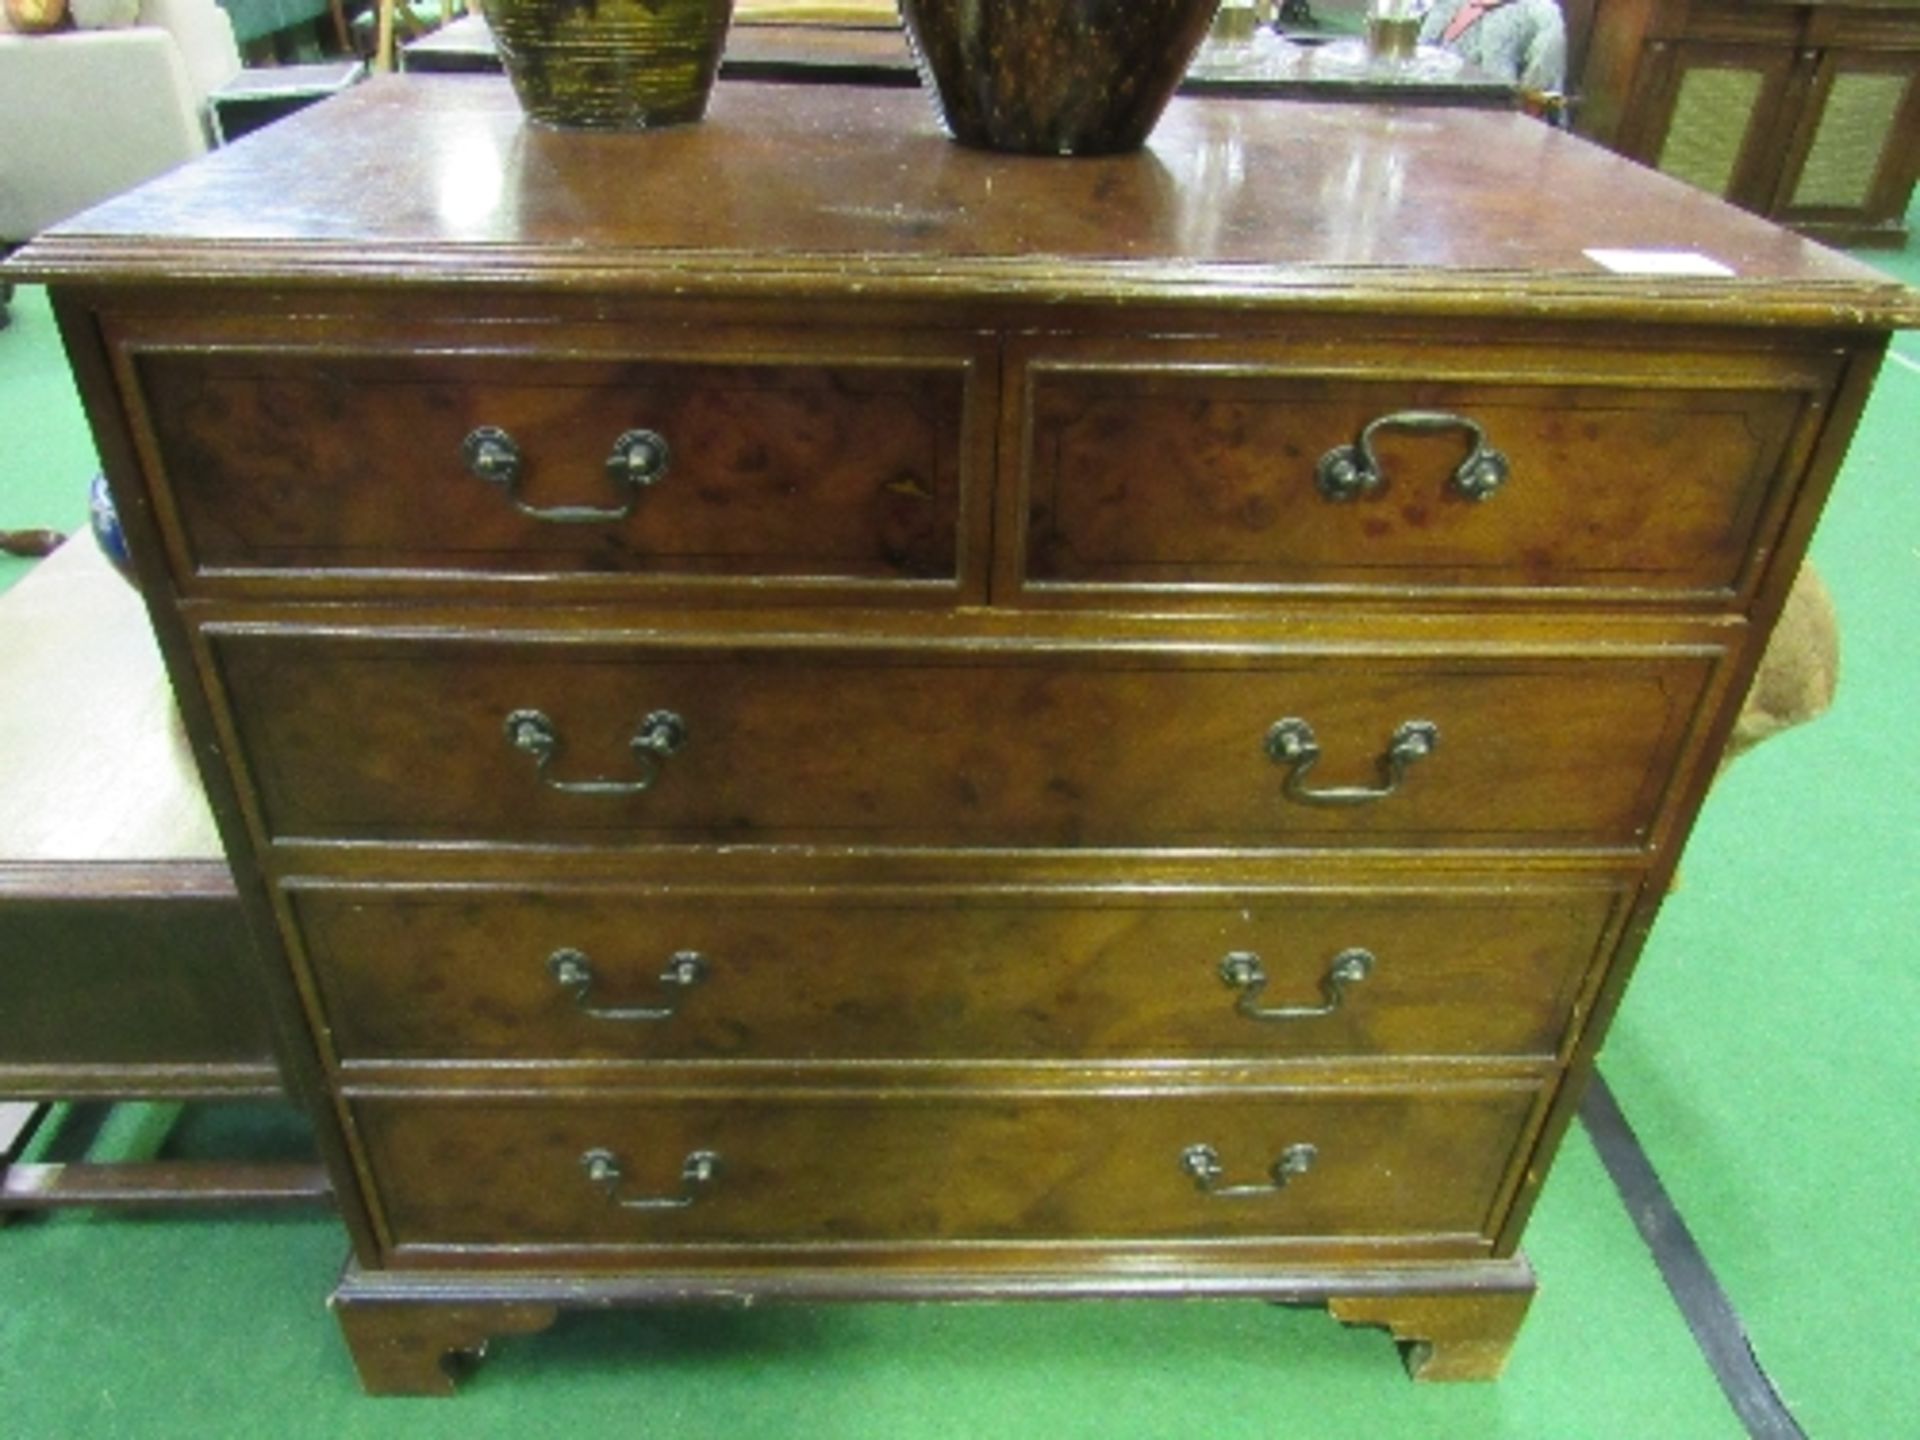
{"x": 1709, "y": 1313}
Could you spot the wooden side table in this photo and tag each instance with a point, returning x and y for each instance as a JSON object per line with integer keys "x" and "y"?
{"x": 259, "y": 97}
{"x": 124, "y": 970}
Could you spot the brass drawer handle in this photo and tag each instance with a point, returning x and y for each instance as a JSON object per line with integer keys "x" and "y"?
{"x": 574, "y": 972}
{"x": 661, "y": 734}
{"x": 1244, "y": 972}
{"x": 697, "y": 1172}
{"x": 1291, "y": 742}
{"x": 1202, "y": 1162}
{"x": 1348, "y": 472}
{"x": 639, "y": 460}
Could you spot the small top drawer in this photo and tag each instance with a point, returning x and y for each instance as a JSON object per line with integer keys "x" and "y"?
{"x": 1194, "y": 470}
{"x": 826, "y": 468}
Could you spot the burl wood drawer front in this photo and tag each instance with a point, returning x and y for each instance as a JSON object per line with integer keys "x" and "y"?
{"x": 823, "y": 1167}
{"x": 380, "y": 467}
{"x": 1183, "y": 475}
{"x": 944, "y": 974}
{"x": 449, "y": 739}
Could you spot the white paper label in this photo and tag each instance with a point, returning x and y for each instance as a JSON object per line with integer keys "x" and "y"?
{"x": 1661, "y": 262}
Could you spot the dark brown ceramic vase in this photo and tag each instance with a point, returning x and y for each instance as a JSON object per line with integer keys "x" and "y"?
{"x": 1054, "y": 77}
{"x": 611, "y": 64}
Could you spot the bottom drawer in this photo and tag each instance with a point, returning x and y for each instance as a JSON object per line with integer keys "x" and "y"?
{"x": 824, "y": 1167}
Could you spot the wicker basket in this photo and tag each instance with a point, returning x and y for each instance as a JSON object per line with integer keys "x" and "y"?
{"x": 611, "y": 64}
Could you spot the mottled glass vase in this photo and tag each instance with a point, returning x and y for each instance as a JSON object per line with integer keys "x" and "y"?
{"x": 611, "y": 64}
{"x": 1054, "y": 77}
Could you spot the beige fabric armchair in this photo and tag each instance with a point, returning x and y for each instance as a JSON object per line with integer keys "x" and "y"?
{"x": 85, "y": 114}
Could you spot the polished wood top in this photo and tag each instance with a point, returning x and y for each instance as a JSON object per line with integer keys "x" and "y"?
{"x": 824, "y": 192}
{"x": 97, "y": 769}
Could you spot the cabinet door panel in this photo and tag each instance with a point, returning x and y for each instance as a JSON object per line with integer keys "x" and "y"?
{"x": 1856, "y": 150}
{"x": 1713, "y": 119}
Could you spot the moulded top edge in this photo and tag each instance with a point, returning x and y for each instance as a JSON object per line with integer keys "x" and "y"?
{"x": 842, "y": 193}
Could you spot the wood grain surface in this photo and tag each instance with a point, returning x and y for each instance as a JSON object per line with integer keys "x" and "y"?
{"x": 377, "y": 739}
{"x": 838, "y": 974}
{"x": 922, "y": 1167}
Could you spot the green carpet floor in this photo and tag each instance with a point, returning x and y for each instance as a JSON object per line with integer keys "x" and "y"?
{"x": 46, "y": 454}
{"x": 1765, "y": 1052}
{"x": 1764, "y": 1055}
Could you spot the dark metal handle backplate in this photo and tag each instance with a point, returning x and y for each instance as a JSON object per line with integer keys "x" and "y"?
{"x": 697, "y": 1172}
{"x": 1348, "y": 472}
{"x": 1292, "y": 743}
{"x": 574, "y": 972}
{"x": 1244, "y": 972}
{"x": 1202, "y": 1162}
{"x": 639, "y": 459}
{"x": 661, "y": 734}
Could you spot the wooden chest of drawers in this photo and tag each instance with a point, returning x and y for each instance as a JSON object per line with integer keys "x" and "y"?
{"x": 807, "y": 713}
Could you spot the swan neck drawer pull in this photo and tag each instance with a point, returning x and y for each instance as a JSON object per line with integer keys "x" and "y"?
{"x": 1202, "y": 1162}
{"x": 638, "y": 461}
{"x": 1348, "y": 472}
{"x": 661, "y": 734}
{"x": 574, "y": 973}
{"x": 1292, "y": 743}
{"x": 697, "y": 1172}
{"x": 1243, "y": 971}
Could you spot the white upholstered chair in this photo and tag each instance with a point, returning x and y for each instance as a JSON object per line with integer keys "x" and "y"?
{"x": 86, "y": 114}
